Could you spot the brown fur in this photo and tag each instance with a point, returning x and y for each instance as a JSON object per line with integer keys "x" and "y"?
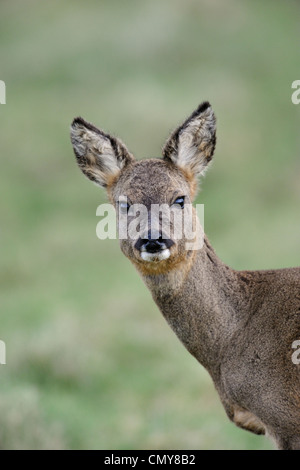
{"x": 246, "y": 420}
{"x": 240, "y": 325}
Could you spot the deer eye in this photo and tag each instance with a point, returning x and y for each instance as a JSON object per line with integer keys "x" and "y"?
{"x": 179, "y": 201}
{"x": 124, "y": 207}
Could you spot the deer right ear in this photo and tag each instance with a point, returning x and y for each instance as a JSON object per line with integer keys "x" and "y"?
{"x": 191, "y": 146}
{"x": 100, "y": 156}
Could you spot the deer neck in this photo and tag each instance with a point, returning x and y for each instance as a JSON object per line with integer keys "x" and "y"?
{"x": 200, "y": 300}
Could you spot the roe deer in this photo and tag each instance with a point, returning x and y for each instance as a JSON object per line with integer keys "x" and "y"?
{"x": 240, "y": 325}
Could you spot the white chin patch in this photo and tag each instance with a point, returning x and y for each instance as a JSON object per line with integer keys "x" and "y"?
{"x": 155, "y": 257}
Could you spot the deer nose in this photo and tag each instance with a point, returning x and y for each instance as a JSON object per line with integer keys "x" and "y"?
{"x": 153, "y": 245}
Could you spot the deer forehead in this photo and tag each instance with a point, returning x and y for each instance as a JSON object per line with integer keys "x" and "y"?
{"x": 151, "y": 180}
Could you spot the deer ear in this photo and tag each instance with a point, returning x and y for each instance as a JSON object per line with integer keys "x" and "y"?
{"x": 191, "y": 146}
{"x": 99, "y": 156}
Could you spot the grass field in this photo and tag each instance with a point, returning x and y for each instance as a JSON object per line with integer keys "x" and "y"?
{"x": 91, "y": 363}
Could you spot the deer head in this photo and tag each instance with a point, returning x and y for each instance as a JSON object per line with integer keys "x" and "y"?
{"x": 166, "y": 183}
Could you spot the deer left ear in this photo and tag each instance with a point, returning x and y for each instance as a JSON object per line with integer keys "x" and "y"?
{"x": 191, "y": 146}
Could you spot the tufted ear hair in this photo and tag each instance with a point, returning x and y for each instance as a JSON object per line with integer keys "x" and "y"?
{"x": 191, "y": 145}
{"x": 100, "y": 156}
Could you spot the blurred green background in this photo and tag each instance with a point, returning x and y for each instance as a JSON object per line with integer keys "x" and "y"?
{"x": 91, "y": 363}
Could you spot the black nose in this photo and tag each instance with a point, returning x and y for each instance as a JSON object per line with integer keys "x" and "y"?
{"x": 153, "y": 245}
